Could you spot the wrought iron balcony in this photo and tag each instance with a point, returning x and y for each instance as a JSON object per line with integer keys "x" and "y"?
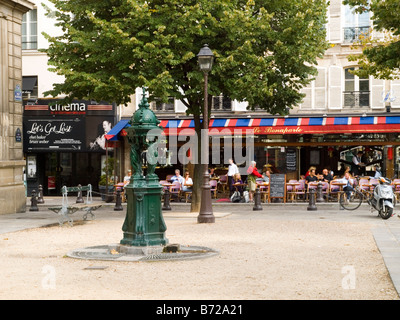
{"x": 352, "y": 34}
{"x": 356, "y": 99}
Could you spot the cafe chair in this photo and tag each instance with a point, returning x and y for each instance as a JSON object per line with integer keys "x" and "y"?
{"x": 325, "y": 189}
{"x": 300, "y": 190}
{"x": 290, "y": 191}
{"x": 373, "y": 182}
{"x": 334, "y": 189}
{"x": 169, "y": 177}
{"x": 264, "y": 193}
{"x": 214, "y": 185}
{"x": 364, "y": 184}
{"x": 223, "y": 182}
{"x": 310, "y": 186}
{"x": 396, "y": 188}
{"x": 175, "y": 190}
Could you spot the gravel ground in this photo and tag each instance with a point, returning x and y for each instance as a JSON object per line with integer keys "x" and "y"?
{"x": 259, "y": 259}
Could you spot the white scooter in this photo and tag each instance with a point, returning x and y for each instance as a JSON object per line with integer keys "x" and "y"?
{"x": 383, "y": 198}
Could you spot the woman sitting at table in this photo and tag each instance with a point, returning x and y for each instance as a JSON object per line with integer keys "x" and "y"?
{"x": 238, "y": 180}
{"x": 187, "y": 183}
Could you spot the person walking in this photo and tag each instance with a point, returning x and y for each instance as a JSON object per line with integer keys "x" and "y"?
{"x": 253, "y": 174}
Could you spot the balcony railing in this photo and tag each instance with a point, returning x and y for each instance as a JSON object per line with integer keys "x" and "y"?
{"x": 221, "y": 103}
{"x": 352, "y": 34}
{"x": 356, "y": 99}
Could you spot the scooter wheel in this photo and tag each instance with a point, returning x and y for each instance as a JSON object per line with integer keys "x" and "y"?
{"x": 386, "y": 214}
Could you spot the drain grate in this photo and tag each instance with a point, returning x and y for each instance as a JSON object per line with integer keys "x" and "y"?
{"x": 108, "y": 253}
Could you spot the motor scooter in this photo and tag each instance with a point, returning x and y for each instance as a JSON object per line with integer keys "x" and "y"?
{"x": 383, "y": 199}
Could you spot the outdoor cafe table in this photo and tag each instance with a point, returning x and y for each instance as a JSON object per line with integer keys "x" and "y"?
{"x": 236, "y": 185}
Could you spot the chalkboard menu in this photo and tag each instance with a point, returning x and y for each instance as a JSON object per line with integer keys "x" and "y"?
{"x": 291, "y": 159}
{"x": 277, "y": 186}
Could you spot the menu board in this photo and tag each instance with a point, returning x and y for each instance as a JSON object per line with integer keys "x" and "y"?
{"x": 291, "y": 159}
{"x": 277, "y": 186}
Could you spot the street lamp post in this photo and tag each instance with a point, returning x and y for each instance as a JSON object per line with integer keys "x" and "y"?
{"x": 205, "y": 59}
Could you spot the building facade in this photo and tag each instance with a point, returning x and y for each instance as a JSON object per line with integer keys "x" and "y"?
{"x": 63, "y": 144}
{"x": 12, "y": 190}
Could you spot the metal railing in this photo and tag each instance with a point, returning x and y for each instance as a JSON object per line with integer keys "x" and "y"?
{"x": 352, "y": 34}
{"x": 356, "y": 99}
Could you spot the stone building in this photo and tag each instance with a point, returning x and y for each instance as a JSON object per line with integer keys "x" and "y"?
{"x": 12, "y": 190}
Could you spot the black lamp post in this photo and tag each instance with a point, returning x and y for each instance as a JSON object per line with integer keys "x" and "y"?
{"x": 206, "y": 59}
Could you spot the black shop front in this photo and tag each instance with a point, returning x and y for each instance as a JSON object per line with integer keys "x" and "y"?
{"x": 65, "y": 144}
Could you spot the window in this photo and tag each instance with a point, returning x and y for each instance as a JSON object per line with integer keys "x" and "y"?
{"x": 355, "y": 24}
{"x": 221, "y": 103}
{"x": 356, "y": 90}
{"x": 29, "y": 30}
{"x": 162, "y": 106}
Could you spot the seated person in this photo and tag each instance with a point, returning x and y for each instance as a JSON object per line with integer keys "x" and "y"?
{"x": 267, "y": 175}
{"x": 212, "y": 173}
{"x": 187, "y": 183}
{"x": 312, "y": 176}
{"x": 348, "y": 188}
{"x": 238, "y": 180}
{"x": 178, "y": 177}
{"x": 326, "y": 176}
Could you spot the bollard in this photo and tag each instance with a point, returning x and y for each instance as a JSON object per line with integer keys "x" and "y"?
{"x": 79, "y": 199}
{"x": 118, "y": 205}
{"x": 167, "y": 196}
{"x": 40, "y": 195}
{"x": 320, "y": 197}
{"x": 34, "y": 206}
{"x": 311, "y": 202}
{"x": 257, "y": 200}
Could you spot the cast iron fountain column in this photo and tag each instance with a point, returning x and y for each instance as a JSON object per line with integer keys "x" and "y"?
{"x": 144, "y": 223}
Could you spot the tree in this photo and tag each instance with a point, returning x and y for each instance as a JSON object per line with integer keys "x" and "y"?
{"x": 379, "y": 58}
{"x": 266, "y": 51}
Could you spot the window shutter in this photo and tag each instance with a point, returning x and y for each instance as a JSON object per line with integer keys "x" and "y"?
{"x": 395, "y": 93}
{"x": 377, "y": 90}
{"x": 335, "y": 94}
{"x": 378, "y": 35}
{"x": 320, "y": 89}
{"x": 306, "y": 103}
{"x": 335, "y": 21}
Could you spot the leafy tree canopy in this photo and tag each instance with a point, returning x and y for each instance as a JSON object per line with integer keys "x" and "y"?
{"x": 265, "y": 50}
{"x": 380, "y": 58}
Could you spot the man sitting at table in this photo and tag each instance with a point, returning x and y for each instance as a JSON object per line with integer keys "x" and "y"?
{"x": 178, "y": 177}
{"x": 326, "y": 176}
{"x": 348, "y": 188}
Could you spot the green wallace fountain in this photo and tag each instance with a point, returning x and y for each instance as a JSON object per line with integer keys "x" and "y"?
{"x": 144, "y": 224}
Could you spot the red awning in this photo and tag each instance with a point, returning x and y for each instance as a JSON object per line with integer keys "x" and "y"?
{"x": 289, "y": 125}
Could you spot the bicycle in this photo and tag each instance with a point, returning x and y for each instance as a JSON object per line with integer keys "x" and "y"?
{"x": 381, "y": 199}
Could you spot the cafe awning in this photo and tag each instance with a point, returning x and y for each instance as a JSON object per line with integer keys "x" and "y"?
{"x": 112, "y": 135}
{"x": 290, "y": 125}
{"x": 29, "y": 83}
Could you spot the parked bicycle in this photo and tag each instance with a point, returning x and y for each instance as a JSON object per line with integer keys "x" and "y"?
{"x": 382, "y": 198}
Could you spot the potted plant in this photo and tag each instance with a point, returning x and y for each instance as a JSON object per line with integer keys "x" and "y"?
{"x": 106, "y": 186}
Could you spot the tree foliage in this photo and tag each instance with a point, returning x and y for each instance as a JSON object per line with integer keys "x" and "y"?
{"x": 265, "y": 51}
{"x": 380, "y": 57}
